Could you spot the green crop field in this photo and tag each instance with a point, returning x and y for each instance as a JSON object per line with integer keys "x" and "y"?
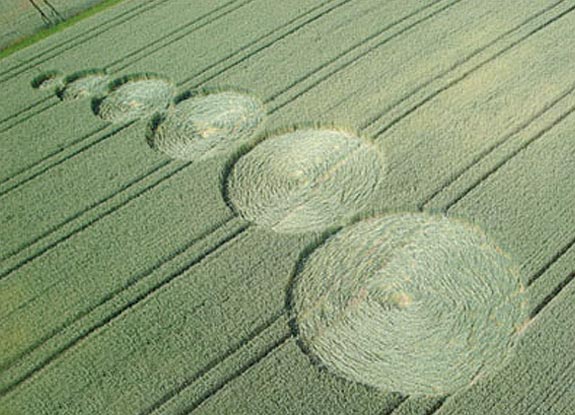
{"x": 291, "y": 207}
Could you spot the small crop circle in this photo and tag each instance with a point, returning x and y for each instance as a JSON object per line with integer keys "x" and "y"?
{"x": 305, "y": 180}
{"x": 135, "y": 97}
{"x": 85, "y": 84}
{"x": 409, "y": 303}
{"x": 204, "y": 126}
{"x": 48, "y": 80}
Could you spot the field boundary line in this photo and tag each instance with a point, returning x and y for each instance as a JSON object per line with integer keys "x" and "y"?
{"x": 274, "y": 347}
{"x": 6, "y": 74}
{"x": 197, "y": 25}
{"x": 506, "y": 140}
{"x": 510, "y": 157}
{"x": 242, "y": 57}
{"x": 458, "y": 72}
{"x": 192, "y": 22}
{"x": 246, "y": 342}
{"x": 98, "y": 216}
{"x": 371, "y": 43}
{"x": 59, "y": 156}
{"x": 23, "y": 111}
{"x": 134, "y": 292}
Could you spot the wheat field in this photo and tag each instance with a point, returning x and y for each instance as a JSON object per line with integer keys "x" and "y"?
{"x": 303, "y": 207}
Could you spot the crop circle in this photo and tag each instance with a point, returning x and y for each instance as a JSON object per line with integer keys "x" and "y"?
{"x": 409, "y": 303}
{"x": 305, "y": 180}
{"x": 204, "y": 126}
{"x": 48, "y": 80}
{"x": 133, "y": 98}
{"x": 91, "y": 83}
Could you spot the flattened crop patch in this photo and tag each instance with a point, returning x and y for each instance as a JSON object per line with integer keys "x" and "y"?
{"x": 134, "y": 97}
{"x": 411, "y": 303}
{"x": 84, "y": 84}
{"x": 305, "y": 180}
{"x": 204, "y": 126}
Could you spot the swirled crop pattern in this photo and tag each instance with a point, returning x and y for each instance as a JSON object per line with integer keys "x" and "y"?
{"x": 136, "y": 98}
{"x": 205, "y": 126}
{"x": 305, "y": 180}
{"x": 412, "y": 303}
{"x": 86, "y": 84}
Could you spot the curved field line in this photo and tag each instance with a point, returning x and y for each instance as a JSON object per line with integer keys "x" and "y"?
{"x": 88, "y": 331}
{"x": 192, "y": 22}
{"x": 113, "y": 23}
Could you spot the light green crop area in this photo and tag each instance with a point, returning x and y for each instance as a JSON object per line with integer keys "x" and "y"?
{"x": 303, "y": 207}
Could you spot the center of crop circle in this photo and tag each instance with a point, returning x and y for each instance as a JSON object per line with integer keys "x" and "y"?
{"x": 305, "y": 180}
{"x": 410, "y": 303}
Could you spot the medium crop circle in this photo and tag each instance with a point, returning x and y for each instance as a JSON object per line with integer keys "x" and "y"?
{"x": 91, "y": 83}
{"x": 204, "y": 126}
{"x": 409, "y": 303}
{"x": 305, "y": 180}
{"x": 135, "y": 97}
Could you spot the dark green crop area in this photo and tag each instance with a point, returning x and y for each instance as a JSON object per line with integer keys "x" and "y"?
{"x": 58, "y": 21}
{"x": 290, "y": 207}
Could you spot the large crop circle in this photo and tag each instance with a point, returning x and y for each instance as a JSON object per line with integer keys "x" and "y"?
{"x": 411, "y": 303}
{"x": 136, "y": 97}
{"x": 204, "y": 126}
{"x": 305, "y": 180}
